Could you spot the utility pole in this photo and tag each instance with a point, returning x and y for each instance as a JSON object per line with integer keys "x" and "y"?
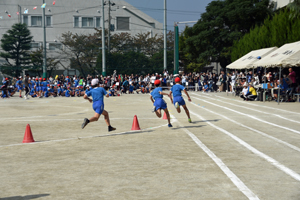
{"x": 103, "y": 42}
{"x": 165, "y": 34}
{"x": 44, "y": 44}
{"x": 109, "y": 18}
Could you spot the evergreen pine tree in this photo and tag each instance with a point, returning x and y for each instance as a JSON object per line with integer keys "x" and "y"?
{"x": 16, "y": 45}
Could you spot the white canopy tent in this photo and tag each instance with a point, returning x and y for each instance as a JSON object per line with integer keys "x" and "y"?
{"x": 247, "y": 60}
{"x": 285, "y": 56}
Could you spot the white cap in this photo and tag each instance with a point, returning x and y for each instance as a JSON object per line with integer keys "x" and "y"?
{"x": 245, "y": 84}
{"x": 95, "y": 81}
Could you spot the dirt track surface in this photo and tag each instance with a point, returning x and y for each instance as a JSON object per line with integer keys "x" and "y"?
{"x": 232, "y": 150}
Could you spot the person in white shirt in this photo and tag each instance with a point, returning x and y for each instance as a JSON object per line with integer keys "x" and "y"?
{"x": 244, "y": 91}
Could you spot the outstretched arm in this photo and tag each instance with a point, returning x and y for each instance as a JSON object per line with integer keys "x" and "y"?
{"x": 187, "y": 95}
{"x": 86, "y": 97}
{"x": 151, "y": 98}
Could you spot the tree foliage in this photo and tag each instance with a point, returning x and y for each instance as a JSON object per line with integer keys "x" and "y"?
{"x": 224, "y": 22}
{"x": 16, "y": 45}
{"x": 141, "y": 53}
{"x": 275, "y": 31}
{"x": 295, "y": 9}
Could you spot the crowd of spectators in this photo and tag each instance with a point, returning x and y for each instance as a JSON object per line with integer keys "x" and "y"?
{"x": 117, "y": 84}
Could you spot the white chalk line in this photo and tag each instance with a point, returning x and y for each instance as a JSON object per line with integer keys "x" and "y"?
{"x": 86, "y": 137}
{"x": 42, "y": 120}
{"x": 277, "y": 109}
{"x": 250, "y": 116}
{"x": 252, "y": 129}
{"x": 274, "y": 162}
{"x": 54, "y": 115}
{"x": 251, "y": 109}
{"x": 234, "y": 179}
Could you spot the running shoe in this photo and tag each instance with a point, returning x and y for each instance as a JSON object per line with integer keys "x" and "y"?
{"x": 176, "y": 105}
{"x": 153, "y": 109}
{"x": 190, "y": 121}
{"x": 170, "y": 125}
{"x": 110, "y": 128}
{"x": 85, "y": 122}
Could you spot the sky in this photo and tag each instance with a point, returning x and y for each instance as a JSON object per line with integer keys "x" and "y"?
{"x": 177, "y": 10}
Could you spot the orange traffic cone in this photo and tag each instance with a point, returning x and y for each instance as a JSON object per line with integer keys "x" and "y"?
{"x": 135, "y": 124}
{"x": 28, "y": 135}
{"x": 165, "y": 116}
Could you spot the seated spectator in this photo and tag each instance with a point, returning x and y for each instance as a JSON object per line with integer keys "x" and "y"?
{"x": 252, "y": 95}
{"x": 244, "y": 91}
{"x": 112, "y": 91}
{"x": 205, "y": 88}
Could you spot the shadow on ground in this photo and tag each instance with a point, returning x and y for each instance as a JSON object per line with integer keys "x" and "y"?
{"x": 27, "y": 197}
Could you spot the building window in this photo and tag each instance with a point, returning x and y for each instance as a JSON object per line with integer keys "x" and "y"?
{"x": 36, "y": 20}
{"x": 55, "y": 46}
{"x": 76, "y": 21}
{"x": 48, "y": 21}
{"x": 25, "y": 19}
{"x": 98, "y": 22}
{"x": 123, "y": 23}
{"x": 87, "y": 22}
{"x": 35, "y": 45}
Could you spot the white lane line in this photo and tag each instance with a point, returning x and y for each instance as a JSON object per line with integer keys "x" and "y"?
{"x": 252, "y": 129}
{"x": 235, "y": 180}
{"x": 56, "y": 115}
{"x": 249, "y": 108}
{"x": 86, "y": 137}
{"x": 274, "y": 162}
{"x": 250, "y": 116}
{"x": 49, "y": 119}
{"x": 277, "y": 109}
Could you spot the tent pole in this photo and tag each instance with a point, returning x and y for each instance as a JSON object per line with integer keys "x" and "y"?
{"x": 226, "y": 82}
{"x": 279, "y": 84}
{"x": 265, "y": 77}
{"x": 235, "y": 83}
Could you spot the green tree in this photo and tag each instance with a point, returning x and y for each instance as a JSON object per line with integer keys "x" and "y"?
{"x": 295, "y": 9}
{"x": 224, "y": 22}
{"x": 16, "y": 45}
{"x": 274, "y": 32}
{"x": 37, "y": 62}
{"x": 82, "y": 51}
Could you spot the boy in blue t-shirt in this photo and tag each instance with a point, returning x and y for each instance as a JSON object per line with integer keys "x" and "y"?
{"x": 112, "y": 91}
{"x": 158, "y": 102}
{"x": 178, "y": 100}
{"x": 98, "y": 105}
{"x": 19, "y": 85}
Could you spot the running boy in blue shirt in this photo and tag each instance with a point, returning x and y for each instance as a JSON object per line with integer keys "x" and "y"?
{"x": 98, "y": 105}
{"x": 178, "y": 100}
{"x": 158, "y": 102}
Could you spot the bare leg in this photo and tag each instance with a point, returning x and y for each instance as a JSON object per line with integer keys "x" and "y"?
{"x": 178, "y": 109}
{"x": 95, "y": 118}
{"x": 168, "y": 115}
{"x": 186, "y": 111}
{"x": 106, "y": 117}
{"x": 158, "y": 113}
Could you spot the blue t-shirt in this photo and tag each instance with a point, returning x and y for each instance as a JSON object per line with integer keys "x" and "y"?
{"x": 97, "y": 94}
{"x": 67, "y": 94}
{"x": 176, "y": 90}
{"x": 155, "y": 93}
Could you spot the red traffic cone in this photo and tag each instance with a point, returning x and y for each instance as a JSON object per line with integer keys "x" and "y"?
{"x": 165, "y": 116}
{"x": 28, "y": 135}
{"x": 135, "y": 124}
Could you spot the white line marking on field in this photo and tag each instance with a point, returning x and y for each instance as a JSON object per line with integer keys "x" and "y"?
{"x": 60, "y": 140}
{"x": 274, "y": 162}
{"x": 252, "y": 129}
{"x": 250, "y": 108}
{"x": 49, "y": 119}
{"x": 277, "y": 109}
{"x": 235, "y": 180}
{"x": 250, "y": 116}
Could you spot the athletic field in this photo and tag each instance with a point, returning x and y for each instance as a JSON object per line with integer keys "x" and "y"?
{"x": 233, "y": 150}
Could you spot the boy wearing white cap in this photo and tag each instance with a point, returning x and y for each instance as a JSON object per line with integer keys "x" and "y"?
{"x": 98, "y": 105}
